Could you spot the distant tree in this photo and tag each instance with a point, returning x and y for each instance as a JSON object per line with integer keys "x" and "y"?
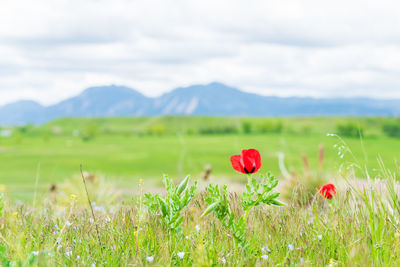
{"x": 247, "y": 127}
{"x": 90, "y": 132}
{"x": 391, "y": 129}
{"x": 350, "y": 129}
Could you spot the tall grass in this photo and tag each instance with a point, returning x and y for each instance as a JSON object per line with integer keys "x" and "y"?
{"x": 358, "y": 227}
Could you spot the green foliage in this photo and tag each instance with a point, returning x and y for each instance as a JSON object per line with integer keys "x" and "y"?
{"x": 271, "y": 126}
{"x": 228, "y": 129}
{"x": 158, "y": 129}
{"x": 218, "y": 203}
{"x": 247, "y": 127}
{"x": 90, "y": 132}
{"x": 350, "y": 129}
{"x": 261, "y": 193}
{"x": 391, "y": 129}
{"x": 171, "y": 206}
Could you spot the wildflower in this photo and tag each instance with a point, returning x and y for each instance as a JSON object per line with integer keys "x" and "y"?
{"x": 91, "y": 220}
{"x": 15, "y": 214}
{"x": 93, "y": 265}
{"x": 265, "y": 249}
{"x": 319, "y": 237}
{"x": 59, "y": 247}
{"x": 327, "y": 191}
{"x": 78, "y": 257}
{"x": 72, "y": 197}
{"x": 181, "y": 254}
{"x": 290, "y": 247}
{"x": 36, "y": 253}
{"x": 264, "y": 257}
{"x": 223, "y": 260}
{"x": 140, "y": 181}
{"x": 68, "y": 223}
{"x": 150, "y": 259}
{"x": 56, "y": 227}
{"x": 197, "y": 228}
{"x": 249, "y": 161}
{"x": 187, "y": 237}
{"x": 301, "y": 260}
{"x": 108, "y": 219}
{"x": 68, "y": 253}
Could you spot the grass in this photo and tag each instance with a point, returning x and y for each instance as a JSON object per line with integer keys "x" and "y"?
{"x": 119, "y": 154}
{"x": 358, "y": 227}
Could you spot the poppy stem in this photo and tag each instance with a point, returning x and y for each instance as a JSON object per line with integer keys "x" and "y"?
{"x": 249, "y": 178}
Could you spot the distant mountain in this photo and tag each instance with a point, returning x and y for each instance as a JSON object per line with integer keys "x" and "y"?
{"x": 22, "y": 112}
{"x": 214, "y": 99}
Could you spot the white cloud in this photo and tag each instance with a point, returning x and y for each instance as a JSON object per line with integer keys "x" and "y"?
{"x": 50, "y": 50}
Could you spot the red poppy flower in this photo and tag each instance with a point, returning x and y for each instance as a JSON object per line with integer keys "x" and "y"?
{"x": 328, "y": 191}
{"x": 249, "y": 161}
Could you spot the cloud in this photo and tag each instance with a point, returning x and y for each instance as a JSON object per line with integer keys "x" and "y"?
{"x": 50, "y": 50}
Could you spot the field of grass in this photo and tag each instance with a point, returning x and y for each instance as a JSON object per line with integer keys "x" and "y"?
{"x": 121, "y": 225}
{"x": 125, "y": 150}
{"x": 357, "y": 227}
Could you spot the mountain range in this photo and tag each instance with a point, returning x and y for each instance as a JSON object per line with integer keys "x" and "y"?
{"x": 214, "y": 99}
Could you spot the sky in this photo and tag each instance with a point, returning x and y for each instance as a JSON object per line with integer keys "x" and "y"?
{"x": 51, "y": 50}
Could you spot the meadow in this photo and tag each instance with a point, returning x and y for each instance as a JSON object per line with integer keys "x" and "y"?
{"x": 124, "y": 150}
{"x": 122, "y": 211}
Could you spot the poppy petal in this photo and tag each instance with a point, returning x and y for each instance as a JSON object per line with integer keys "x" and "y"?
{"x": 251, "y": 160}
{"x": 236, "y": 163}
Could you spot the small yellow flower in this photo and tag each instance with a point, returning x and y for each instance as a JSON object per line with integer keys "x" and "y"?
{"x": 73, "y": 197}
{"x": 140, "y": 181}
{"x": 15, "y": 214}
{"x": 3, "y": 188}
{"x": 331, "y": 261}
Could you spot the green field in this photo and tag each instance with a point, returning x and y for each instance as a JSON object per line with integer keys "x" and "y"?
{"x": 261, "y": 223}
{"x": 125, "y": 150}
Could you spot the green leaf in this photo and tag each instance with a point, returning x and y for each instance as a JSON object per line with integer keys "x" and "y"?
{"x": 210, "y": 209}
{"x": 277, "y": 202}
{"x": 183, "y": 185}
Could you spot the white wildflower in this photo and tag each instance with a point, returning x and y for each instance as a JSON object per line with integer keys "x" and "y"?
{"x": 197, "y": 228}
{"x": 320, "y": 237}
{"x": 181, "y": 254}
{"x": 223, "y": 260}
{"x": 150, "y": 259}
{"x": 290, "y": 247}
{"x": 36, "y": 253}
{"x": 68, "y": 223}
{"x": 264, "y": 257}
{"x": 265, "y": 249}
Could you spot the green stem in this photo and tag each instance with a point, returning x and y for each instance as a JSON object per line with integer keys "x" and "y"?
{"x": 246, "y": 214}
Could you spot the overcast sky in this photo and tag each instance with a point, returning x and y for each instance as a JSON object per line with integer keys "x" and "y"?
{"x": 53, "y": 49}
